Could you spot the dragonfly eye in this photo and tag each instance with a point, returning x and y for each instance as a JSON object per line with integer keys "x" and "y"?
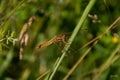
{"x": 39, "y": 47}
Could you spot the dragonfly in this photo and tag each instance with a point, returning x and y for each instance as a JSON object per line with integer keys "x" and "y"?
{"x": 61, "y": 38}
{"x": 58, "y": 38}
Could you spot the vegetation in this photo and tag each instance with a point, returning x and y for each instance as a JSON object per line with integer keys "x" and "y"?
{"x": 59, "y": 40}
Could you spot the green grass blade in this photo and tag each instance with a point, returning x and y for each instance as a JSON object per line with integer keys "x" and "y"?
{"x": 77, "y": 28}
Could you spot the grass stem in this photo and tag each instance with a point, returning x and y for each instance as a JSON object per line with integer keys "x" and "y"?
{"x": 77, "y": 28}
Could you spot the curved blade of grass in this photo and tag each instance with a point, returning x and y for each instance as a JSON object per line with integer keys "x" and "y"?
{"x": 77, "y": 28}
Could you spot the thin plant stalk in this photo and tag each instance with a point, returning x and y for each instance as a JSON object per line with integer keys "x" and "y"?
{"x": 79, "y": 61}
{"x": 101, "y": 35}
{"x": 95, "y": 40}
{"x": 77, "y": 28}
{"x": 40, "y": 77}
{"x": 108, "y": 62}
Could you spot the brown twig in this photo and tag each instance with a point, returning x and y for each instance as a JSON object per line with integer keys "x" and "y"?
{"x": 87, "y": 51}
{"x": 100, "y": 36}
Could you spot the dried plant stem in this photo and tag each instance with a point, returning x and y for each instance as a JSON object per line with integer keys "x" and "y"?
{"x": 76, "y": 64}
{"x": 79, "y": 61}
{"x": 100, "y": 36}
{"x": 113, "y": 57}
{"x": 77, "y": 28}
{"x": 23, "y": 37}
{"x": 87, "y": 51}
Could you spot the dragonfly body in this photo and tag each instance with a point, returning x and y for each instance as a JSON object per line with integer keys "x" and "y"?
{"x": 58, "y": 38}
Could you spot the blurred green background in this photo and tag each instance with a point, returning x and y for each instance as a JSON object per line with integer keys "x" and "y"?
{"x": 54, "y": 17}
